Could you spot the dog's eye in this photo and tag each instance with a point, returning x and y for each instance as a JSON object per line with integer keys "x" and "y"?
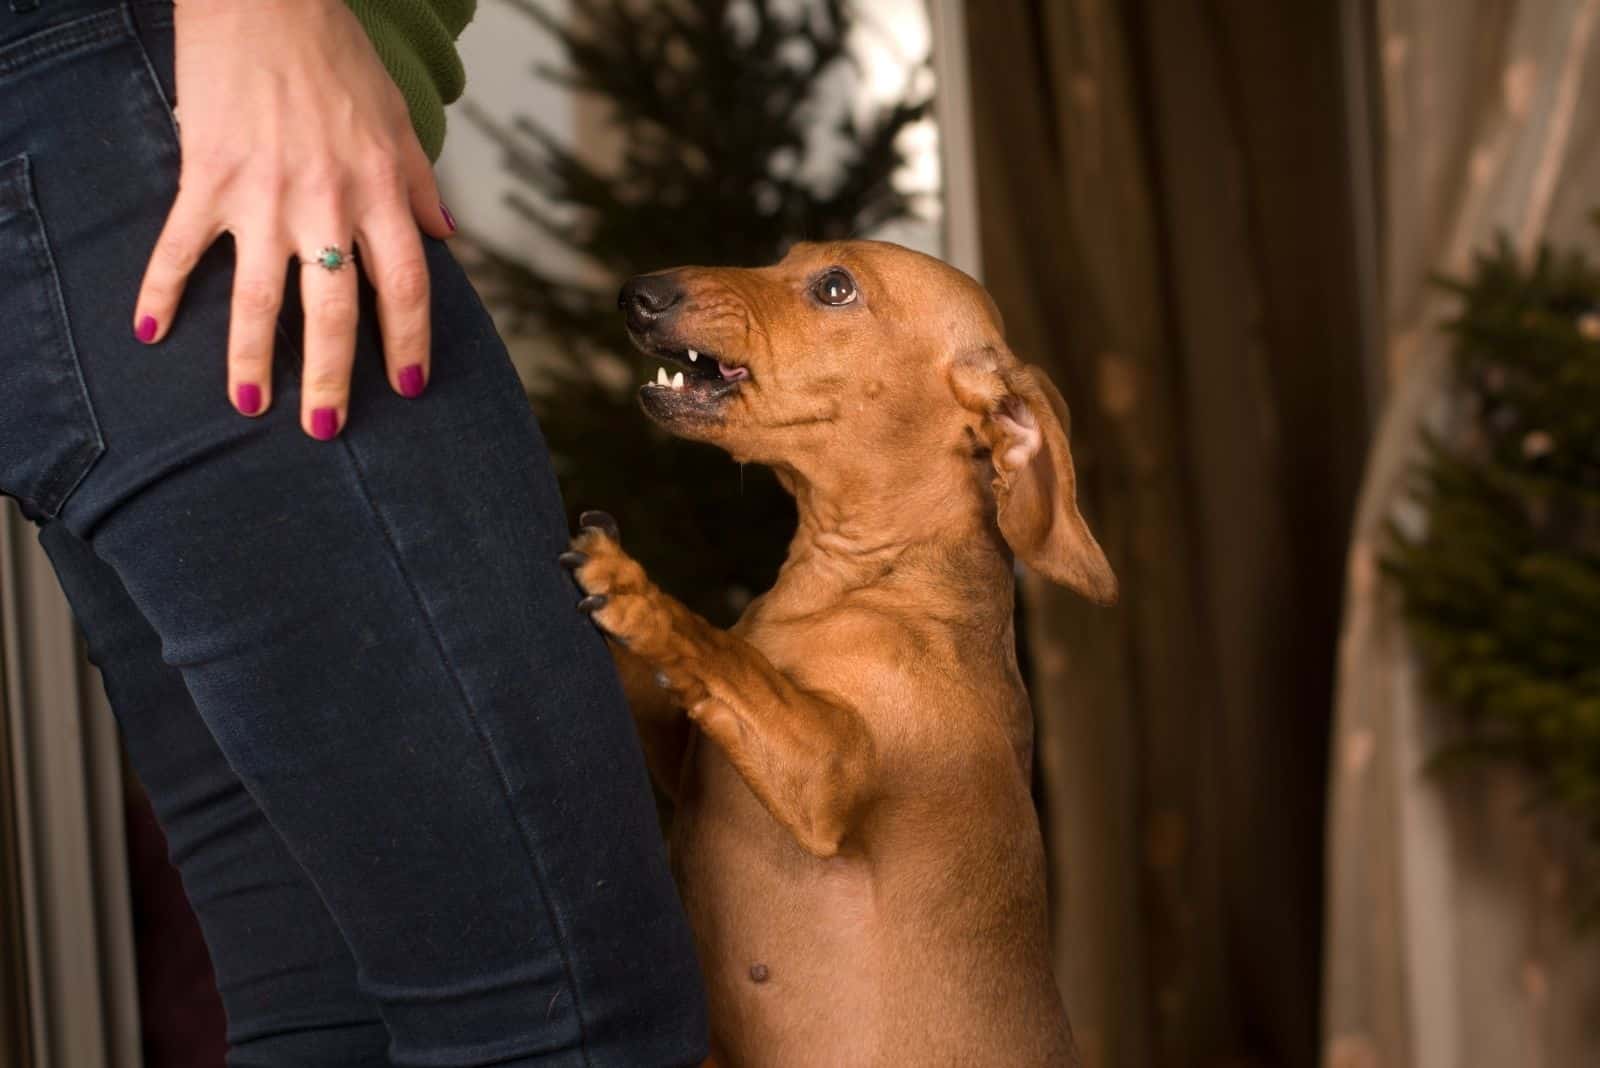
{"x": 835, "y": 288}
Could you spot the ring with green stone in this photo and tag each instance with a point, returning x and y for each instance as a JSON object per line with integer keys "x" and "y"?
{"x": 331, "y": 258}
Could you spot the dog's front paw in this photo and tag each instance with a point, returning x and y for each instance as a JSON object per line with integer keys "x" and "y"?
{"x": 619, "y": 596}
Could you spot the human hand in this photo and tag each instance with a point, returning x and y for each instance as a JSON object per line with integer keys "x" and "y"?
{"x": 294, "y": 138}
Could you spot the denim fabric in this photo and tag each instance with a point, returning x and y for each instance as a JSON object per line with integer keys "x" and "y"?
{"x": 393, "y": 762}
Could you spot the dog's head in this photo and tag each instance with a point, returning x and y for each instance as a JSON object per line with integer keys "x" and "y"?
{"x": 863, "y": 353}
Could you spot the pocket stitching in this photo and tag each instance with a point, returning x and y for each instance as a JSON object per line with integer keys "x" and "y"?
{"x": 56, "y": 42}
{"x": 67, "y": 473}
{"x": 167, "y": 110}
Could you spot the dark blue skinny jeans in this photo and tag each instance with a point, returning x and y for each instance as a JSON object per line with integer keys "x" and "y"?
{"x": 394, "y": 764}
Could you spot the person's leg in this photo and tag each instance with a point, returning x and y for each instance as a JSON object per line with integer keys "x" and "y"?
{"x": 375, "y": 630}
{"x": 287, "y": 980}
{"x": 378, "y": 634}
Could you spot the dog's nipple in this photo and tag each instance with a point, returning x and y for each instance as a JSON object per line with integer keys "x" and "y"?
{"x": 759, "y": 973}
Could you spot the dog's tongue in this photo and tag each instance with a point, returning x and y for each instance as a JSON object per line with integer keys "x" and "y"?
{"x": 731, "y": 372}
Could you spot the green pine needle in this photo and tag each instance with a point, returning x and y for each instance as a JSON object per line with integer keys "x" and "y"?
{"x": 717, "y": 103}
{"x": 1501, "y": 591}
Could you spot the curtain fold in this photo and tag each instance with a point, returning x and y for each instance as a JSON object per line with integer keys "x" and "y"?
{"x": 1449, "y": 941}
{"x": 1167, "y": 228}
{"x": 1058, "y": 287}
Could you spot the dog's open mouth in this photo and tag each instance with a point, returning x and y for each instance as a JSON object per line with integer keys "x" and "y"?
{"x": 697, "y": 386}
{"x": 702, "y": 372}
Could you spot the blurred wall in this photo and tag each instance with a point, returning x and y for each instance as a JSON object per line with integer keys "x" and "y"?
{"x": 502, "y": 49}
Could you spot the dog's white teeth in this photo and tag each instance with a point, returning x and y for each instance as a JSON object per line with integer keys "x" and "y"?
{"x": 693, "y": 355}
{"x": 661, "y": 376}
{"x": 677, "y": 380}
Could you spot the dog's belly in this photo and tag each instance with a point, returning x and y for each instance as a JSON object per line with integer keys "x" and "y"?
{"x": 852, "y": 962}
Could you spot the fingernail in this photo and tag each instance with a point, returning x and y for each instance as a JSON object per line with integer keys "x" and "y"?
{"x": 147, "y": 329}
{"x": 324, "y": 423}
{"x": 249, "y": 398}
{"x": 411, "y": 381}
{"x": 449, "y": 220}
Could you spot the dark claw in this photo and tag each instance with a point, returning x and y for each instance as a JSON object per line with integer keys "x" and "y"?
{"x": 603, "y": 522}
{"x": 573, "y": 560}
{"x": 592, "y": 603}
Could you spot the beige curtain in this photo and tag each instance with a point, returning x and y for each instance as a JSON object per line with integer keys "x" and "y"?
{"x": 1449, "y": 943}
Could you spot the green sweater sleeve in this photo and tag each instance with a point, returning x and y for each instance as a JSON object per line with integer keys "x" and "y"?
{"x": 416, "y": 39}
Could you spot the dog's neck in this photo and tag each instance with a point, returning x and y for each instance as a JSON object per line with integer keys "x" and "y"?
{"x": 860, "y": 528}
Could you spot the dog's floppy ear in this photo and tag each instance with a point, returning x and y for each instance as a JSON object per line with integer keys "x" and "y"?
{"x": 1024, "y": 423}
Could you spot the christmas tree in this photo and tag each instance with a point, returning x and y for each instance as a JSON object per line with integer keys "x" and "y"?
{"x": 718, "y": 103}
{"x": 1502, "y": 588}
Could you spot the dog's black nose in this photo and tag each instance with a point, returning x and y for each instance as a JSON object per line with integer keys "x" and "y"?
{"x": 647, "y": 298}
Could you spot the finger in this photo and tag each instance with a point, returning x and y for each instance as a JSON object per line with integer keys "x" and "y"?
{"x": 188, "y": 232}
{"x": 253, "y": 322}
{"x": 393, "y": 262}
{"x": 427, "y": 207}
{"x": 331, "y": 310}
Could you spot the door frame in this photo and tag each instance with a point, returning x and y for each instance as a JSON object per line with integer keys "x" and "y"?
{"x": 68, "y": 984}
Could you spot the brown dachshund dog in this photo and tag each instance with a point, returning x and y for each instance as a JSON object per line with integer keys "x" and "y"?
{"x": 854, "y": 837}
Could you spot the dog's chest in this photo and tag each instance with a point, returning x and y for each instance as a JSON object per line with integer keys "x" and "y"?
{"x": 773, "y": 924}
{"x": 895, "y": 960}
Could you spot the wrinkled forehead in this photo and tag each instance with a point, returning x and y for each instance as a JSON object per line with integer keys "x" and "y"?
{"x": 919, "y": 293}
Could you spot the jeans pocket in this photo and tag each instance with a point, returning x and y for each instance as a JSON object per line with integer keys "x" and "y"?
{"x": 49, "y": 437}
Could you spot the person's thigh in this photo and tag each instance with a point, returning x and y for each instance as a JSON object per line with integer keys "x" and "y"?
{"x": 287, "y": 979}
{"x": 375, "y": 630}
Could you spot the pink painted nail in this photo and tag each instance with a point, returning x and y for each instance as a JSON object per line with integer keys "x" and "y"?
{"x": 449, "y": 220}
{"x": 324, "y": 423}
{"x": 249, "y": 398}
{"x": 147, "y": 329}
{"x": 411, "y": 381}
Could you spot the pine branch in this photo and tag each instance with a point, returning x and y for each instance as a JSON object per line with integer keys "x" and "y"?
{"x": 716, "y": 104}
{"x": 1501, "y": 591}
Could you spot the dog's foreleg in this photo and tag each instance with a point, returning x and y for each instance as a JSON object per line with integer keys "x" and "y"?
{"x": 807, "y": 757}
{"x": 658, "y": 718}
